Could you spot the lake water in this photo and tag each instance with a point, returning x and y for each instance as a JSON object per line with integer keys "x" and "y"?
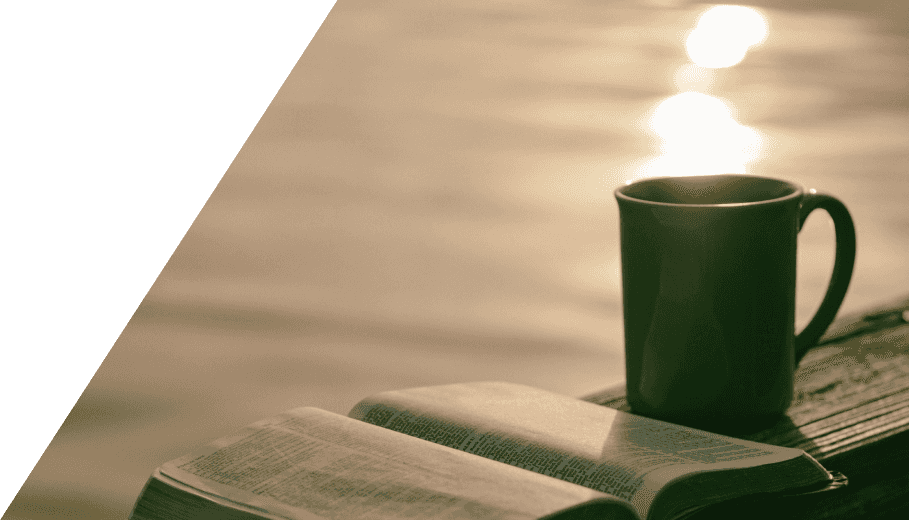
{"x": 429, "y": 200}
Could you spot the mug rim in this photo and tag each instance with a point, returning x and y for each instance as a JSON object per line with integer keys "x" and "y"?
{"x": 797, "y": 191}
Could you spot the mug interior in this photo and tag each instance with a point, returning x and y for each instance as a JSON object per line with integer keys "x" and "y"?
{"x": 709, "y": 190}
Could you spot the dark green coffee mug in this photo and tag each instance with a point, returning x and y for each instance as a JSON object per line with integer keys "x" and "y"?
{"x": 708, "y": 285}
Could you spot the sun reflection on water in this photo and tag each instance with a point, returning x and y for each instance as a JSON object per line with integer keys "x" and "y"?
{"x": 699, "y": 136}
{"x": 698, "y": 133}
{"x": 724, "y": 34}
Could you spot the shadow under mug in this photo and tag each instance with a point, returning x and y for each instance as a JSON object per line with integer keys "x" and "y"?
{"x": 708, "y": 285}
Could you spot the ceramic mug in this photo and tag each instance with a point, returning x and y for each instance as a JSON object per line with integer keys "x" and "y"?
{"x": 708, "y": 286}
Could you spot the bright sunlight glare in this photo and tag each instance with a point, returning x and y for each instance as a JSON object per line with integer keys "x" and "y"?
{"x": 724, "y": 34}
{"x": 699, "y": 136}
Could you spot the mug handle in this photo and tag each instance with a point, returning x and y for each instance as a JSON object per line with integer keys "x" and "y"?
{"x": 842, "y": 268}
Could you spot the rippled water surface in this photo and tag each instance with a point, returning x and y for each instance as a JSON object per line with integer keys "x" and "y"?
{"x": 429, "y": 200}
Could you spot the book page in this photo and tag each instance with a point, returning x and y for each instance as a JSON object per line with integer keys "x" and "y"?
{"x": 627, "y": 456}
{"x": 309, "y": 461}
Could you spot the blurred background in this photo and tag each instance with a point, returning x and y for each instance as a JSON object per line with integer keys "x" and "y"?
{"x": 428, "y": 200}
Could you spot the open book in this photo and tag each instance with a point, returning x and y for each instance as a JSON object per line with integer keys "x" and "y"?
{"x": 471, "y": 451}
